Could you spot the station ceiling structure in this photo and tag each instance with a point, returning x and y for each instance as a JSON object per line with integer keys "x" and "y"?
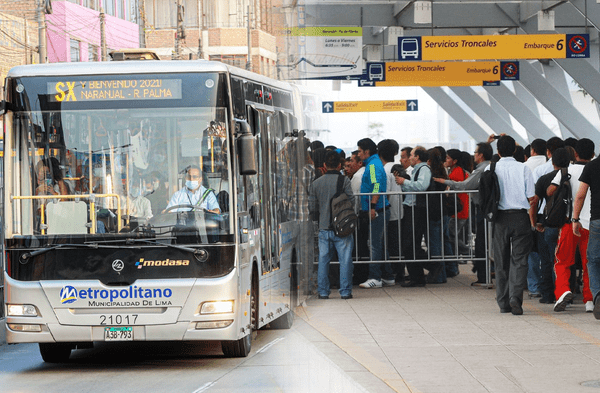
{"x": 541, "y": 81}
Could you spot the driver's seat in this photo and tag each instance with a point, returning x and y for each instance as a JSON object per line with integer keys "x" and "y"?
{"x": 223, "y": 199}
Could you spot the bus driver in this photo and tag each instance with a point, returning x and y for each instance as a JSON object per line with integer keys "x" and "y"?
{"x": 194, "y": 193}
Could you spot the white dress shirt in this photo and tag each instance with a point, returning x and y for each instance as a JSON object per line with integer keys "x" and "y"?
{"x": 516, "y": 184}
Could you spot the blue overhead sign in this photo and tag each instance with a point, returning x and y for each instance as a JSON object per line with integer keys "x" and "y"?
{"x": 578, "y": 46}
{"x": 409, "y": 48}
{"x": 327, "y": 106}
{"x": 376, "y": 72}
{"x": 412, "y": 105}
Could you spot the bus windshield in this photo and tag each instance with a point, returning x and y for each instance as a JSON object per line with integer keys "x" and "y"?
{"x": 119, "y": 156}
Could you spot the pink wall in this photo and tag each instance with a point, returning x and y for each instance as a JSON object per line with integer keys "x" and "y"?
{"x": 70, "y": 20}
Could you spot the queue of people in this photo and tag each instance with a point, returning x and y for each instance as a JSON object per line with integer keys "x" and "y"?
{"x": 528, "y": 254}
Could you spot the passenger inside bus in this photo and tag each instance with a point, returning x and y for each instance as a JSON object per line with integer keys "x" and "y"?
{"x": 194, "y": 194}
{"x": 156, "y": 192}
{"x": 140, "y": 208}
{"x": 50, "y": 178}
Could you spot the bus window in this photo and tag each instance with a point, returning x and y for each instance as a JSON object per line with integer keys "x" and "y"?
{"x": 127, "y": 166}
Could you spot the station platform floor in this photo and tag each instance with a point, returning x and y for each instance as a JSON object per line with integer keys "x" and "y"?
{"x": 452, "y": 338}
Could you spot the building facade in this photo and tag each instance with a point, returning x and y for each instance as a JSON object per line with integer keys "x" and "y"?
{"x": 72, "y": 29}
{"x": 218, "y": 32}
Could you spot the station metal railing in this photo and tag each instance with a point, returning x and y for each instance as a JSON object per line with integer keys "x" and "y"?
{"x": 422, "y": 248}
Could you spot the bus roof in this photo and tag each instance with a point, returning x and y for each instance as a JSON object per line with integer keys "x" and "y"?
{"x": 136, "y": 67}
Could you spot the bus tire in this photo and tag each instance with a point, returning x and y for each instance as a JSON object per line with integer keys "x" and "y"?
{"x": 241, "y": 348}
{"x": 55, "y": 352}
{"x": 238, "y": 348}
{"x": 283, "y": 322}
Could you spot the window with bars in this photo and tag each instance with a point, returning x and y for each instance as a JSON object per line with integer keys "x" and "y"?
{"x": 93, "y": 52}
{"x": 75, "y": 51}
{"x": 109, "y": 7}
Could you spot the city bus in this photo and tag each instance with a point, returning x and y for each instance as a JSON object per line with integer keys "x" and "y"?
{"x": 100, "y": 243}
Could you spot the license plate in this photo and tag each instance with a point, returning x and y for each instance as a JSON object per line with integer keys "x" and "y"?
{"x": 120, "y": 333}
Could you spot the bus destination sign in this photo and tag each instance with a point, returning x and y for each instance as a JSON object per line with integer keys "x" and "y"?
{"x": 114, "y": 90}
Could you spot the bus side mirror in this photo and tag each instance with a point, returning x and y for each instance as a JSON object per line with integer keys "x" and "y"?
{"x": 246, "y": 148}
{"x": 2, "y": 107}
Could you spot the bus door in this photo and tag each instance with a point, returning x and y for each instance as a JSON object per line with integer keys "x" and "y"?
{"x": 273, "y": 161}
{"x": 264, "y": 189}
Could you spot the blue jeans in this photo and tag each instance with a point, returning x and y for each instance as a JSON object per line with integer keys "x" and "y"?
{"x": 378, "y": 252}
{"x": 534, "y": 273}
{"x": 593, "y": 254}
{"x": 343, "y": 245}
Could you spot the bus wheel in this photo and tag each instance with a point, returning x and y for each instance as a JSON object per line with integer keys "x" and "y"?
{"x": 241, "y": 348}
{"x": 283, "y": 322}
{"x": 55, "y": 352}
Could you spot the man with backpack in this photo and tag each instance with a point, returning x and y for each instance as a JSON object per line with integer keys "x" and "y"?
{"x": 549, "y": 222}
{"x": 568, "y": 242}
{"x": 322, "y": 191}
{"x": 546, "y": 241}
{"x": 512, "y": 239}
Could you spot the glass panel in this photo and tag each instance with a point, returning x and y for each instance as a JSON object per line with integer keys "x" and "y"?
{"x": 74, "y": 50}
{"x": 92, "y": 53}
{"x": 109, "y": 6}
{"x": 119, "y": 9}
{"x": 150, "y": 167}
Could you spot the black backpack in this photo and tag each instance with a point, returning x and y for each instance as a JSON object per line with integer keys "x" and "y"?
{"x": 343, "y": 216}
{"x": 489, "y": 193}
{"x": 559, "y": 206}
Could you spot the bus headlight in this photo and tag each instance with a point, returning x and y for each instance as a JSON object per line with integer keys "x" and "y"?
{"x": 220, "y": 307}
{"x": 21, "y": 310}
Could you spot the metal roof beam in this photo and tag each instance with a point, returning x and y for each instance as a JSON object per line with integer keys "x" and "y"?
{"x": 486, "y": 113}
{"x": 457, "y": 113}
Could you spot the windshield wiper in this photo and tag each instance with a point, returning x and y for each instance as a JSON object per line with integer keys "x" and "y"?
{"x": 156, "y": 243}
{"x": 39, "y": 251}
{"x": 153, "y": 241}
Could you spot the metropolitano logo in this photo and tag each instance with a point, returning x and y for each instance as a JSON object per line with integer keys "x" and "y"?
{"x": 68, "y": 294}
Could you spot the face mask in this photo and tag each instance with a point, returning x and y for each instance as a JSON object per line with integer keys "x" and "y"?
{"x": 155, "y": 184}
{"x": 98, "y": 172}
{"x": 48, "y": 182}
{"x": 191, "y": 184}
{"x": 135, "y": 192}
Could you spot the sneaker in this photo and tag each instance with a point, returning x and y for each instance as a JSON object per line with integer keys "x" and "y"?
{"x": 388, "y": 283}
{"x": 563, "y": 300}
{"x": 589, "y": 306}
{"x": 346, "y": 297}
{"x": 323, "y": 296}
{"x": 371, "y": 283}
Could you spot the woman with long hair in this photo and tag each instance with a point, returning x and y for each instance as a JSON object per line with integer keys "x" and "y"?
{"x": 457, "y": 167}
{"x": 437, "y": 274}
